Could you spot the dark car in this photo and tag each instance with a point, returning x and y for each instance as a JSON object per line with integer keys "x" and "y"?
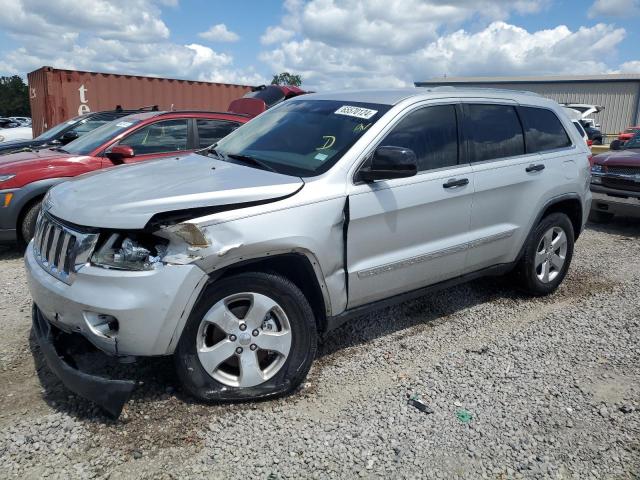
{"x": 615, "y": 181}
{"x": 65, "y": 132}
{"x": 594, "y": 134}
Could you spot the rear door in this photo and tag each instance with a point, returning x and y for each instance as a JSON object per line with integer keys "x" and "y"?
{"x": 160, "y": 139}
{"x": 513, "y": 179}
{"x": 406, "y": 233}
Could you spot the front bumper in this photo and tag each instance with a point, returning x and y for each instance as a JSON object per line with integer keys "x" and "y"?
{"x": 617, "y": 202}
{"x": 109, "y": 394}
{"x": 150, "y": 307}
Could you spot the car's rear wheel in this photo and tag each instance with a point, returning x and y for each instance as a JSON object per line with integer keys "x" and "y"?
{"x": 28, "y": 224}
{"x": 547, "y": 255}
{"x": 251, "y": 336}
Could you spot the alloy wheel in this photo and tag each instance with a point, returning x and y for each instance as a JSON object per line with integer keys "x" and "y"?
{"x": 551, "y": 254}
{"x": 244, "y": 339}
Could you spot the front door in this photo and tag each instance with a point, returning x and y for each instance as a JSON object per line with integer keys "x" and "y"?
{"x": 159, "y": 139}
{"x": 407, "y": 233}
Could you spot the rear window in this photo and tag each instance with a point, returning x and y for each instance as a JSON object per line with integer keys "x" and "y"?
{"x": 543, "y": 130}
{"x": 493, "y": 132}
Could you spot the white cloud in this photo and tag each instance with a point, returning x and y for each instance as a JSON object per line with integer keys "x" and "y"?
{"x": 373, "y": 43}
{"x": 498, "y": 49}
{"x": 120, "y": 36}
{"x": 630, "y": 67}
{"x": 275, "y": 34}
{"x": 219, "y": 33}
{"x": 614, "y": 8}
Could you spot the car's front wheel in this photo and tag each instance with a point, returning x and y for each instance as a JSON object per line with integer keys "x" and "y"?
{"x": 547, "y": 255}
{"x": 252, "y": 335}
{"x": 28, "y": 223}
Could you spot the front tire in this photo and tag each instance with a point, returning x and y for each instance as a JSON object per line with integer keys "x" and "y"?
{"x": 28, "y": 224}
{"x": 547, "y": 255}
{"x": 251, "y": 336}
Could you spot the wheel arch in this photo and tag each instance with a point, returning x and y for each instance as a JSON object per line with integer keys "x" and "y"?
{"x": 300, "y": 267}
{"x": 571, "y": 206}
{"x": 30, "y": 194}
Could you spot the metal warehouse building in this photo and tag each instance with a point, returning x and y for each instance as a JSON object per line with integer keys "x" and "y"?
{"x": 619, "y": 94}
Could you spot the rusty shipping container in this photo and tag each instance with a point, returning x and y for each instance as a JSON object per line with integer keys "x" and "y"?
{"x": 59, "y": 95}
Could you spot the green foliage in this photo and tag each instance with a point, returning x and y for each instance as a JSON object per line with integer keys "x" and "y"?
{"x": 14, "y": 97}
{"x": 286, "y": 78}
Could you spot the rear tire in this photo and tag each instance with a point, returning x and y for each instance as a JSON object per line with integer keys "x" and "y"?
{"x": 222, "y": 354}
{"x": 28, "y": 224}
{"x": 547, "y": 255}
{"x": 600, "y": 217}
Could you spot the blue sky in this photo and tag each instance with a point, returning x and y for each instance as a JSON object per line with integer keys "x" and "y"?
{"x": 332, "y": 43}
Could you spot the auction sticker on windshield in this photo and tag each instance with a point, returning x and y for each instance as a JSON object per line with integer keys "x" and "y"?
{"x": 357, "y": 112}
{"x": 124, "y": 124}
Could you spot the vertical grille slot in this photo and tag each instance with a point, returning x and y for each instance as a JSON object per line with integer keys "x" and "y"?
{"x": 56, "y": 247}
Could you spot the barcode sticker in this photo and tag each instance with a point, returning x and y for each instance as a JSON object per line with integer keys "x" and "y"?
{"x": 357, "y": 112}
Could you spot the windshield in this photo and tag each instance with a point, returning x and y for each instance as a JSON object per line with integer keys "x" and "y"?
{"x": 633, "y": 142}
{"x": 302, "y": 137}
{"x": 95, "y": 138}
{"x": 52, "y": 133}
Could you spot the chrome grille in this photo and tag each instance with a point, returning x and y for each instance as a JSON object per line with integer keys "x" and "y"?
{"x": 60, "y": 250}
{"x": 623, "y": 170}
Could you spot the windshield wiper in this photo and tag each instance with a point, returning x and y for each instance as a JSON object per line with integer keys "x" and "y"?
{"x": 251, "y": 160}
{"x": 58, "y": 149}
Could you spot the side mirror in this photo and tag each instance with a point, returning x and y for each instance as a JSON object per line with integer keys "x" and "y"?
{"x": 119, "y": 153}
{"x": 68, "y": 137}
{"x": 390, "y": 162}
{"x": 615, "y": 145}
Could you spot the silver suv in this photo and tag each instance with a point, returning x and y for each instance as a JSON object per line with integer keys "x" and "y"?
{"x": 235, "y": 259}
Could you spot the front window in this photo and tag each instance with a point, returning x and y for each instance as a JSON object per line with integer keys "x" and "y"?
{"x": 302, "y": 137}
{"x": 633, "y": 142}
{"x": 159, "y": 137}
{"x": 54, "y": 132}
{"x": 98, "y": 137}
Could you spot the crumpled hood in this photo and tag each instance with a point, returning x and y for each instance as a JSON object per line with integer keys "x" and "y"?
{"x": 127, "y": 196}
{"x": 622, "y": 158}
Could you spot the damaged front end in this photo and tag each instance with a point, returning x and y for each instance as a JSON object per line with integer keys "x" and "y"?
{"x": 109, "y": 394}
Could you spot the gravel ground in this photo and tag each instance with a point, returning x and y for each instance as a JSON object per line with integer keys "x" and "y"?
{"x": 519, "y": 388}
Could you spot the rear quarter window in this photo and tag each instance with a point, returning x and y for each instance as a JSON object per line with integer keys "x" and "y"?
{"x": 543, "y": 130}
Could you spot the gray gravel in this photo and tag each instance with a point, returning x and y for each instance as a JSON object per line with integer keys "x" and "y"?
{"x": 551, "y": 386}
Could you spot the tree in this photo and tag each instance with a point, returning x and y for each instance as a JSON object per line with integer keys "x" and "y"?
{"x": 286, "y": 78}
{"x": 14, "y": 97}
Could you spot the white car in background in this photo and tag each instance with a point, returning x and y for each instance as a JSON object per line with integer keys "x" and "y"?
{"x": 24, "y": 121}
{"x": 585, "y": 109}
{"x": 12, "y": 130}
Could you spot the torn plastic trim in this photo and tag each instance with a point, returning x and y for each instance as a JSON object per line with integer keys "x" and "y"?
{"x": 109, "y": 394}
{"x": 173, "y": 217}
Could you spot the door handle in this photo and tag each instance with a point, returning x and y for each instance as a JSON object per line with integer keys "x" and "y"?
{"x": 455, "y": 183}
{"x": 534, "y": 168}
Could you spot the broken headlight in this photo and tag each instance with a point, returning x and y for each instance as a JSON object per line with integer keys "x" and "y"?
{"x": 123, "y": 252}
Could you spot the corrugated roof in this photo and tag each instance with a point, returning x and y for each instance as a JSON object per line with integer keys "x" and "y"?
{"x": 613, "y": 77}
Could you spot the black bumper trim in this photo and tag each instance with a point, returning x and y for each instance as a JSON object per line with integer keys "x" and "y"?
{"x": 109, "y": 394}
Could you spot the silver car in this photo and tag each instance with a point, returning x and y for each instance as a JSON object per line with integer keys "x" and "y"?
{"x": 235, "y": 259}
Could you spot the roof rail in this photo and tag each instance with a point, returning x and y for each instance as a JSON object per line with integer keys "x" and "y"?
{"x": 450, "y": 88}
{"x": 205, "y": 111}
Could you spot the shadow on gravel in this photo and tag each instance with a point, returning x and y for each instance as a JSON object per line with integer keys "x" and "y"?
{"x": 423, "y": 312}
{"x": 627, "y": 226}
{"x": 155, "y": 378}
{"x": 10, "y": 252}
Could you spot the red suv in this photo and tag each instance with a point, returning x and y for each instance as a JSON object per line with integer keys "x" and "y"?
{"x": 26, "y": 176}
